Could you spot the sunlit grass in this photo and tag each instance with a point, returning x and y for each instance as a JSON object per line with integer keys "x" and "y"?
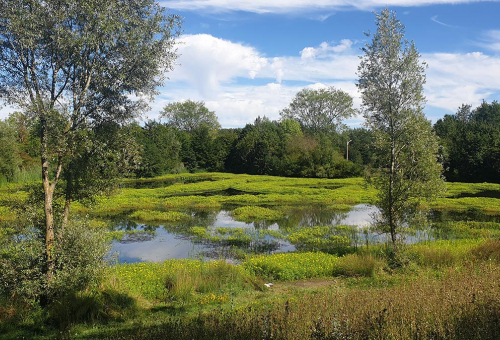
{"x": 292, "y": 266}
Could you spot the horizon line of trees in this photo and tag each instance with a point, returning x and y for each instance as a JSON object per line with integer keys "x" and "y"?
{"x": 192, "y": 140}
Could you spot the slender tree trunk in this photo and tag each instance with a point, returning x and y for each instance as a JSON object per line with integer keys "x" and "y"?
{"x": 49, "y": 189}
{"x": 392, "y": 222}
{"x": 67, "y": 203}
{"x": 48, "y": 206}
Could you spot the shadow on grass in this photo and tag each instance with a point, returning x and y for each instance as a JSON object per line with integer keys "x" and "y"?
{"x": 54, "y": 321}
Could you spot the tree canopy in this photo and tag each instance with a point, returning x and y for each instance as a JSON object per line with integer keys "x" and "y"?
{"x": 190, "y": 115}
{"x": 321, "y": 109}
{"x": 471, "y": 143}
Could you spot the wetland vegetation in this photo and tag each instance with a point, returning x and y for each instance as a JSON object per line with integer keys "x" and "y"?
{"x": 187, "y": 296}
{"x": 184, "y": 230}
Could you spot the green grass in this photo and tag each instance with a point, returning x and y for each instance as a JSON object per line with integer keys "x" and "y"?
{"x": 254, "y": 191}
{"x": 446, "y": 289}
{"x": 179, "y": 280}
{"x": 356, "y": 297}
{"x": 329, "y": 239}
{"x": 292, "y": 266}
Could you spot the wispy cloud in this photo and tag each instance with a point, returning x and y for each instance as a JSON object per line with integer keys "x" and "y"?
{"x": 491, "y": 40}
{"x": 434, "y": 18}
{"x": 303, "y": 6}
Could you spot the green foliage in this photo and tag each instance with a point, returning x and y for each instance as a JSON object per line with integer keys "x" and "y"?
{"x": 82, "y": 64}
{"x": 439, "y": 254}
{"x": 461, "y": 304}
{"x": 224, "y": 236}
{"x": 180, "y": 280}
{"x": 207, "y": 283}
{"x": 337, "y": 240}
{"x": 190, "y": 116}
{"x": 81, "y": 262}
{"x": 391, "y": 84}
{"x": 466, "y": 230}
{"x": 9, "y": 151}
{"x": 361, "y": 147}
{"x": 258, "y": 149}
{"x": 471, "y": 140}
{"x": 21, "y": 268}
{"x": 357, "y": 265}
{"x": 253, "y": 213}
{"x": 272, "y": 148}
{"x": 158, "y": 216}
{"x": 320, "y": 110}
{"x": 120, "y": 235}
{"x": 159, "y": 148}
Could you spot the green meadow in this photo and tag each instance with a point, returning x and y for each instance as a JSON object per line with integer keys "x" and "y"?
{"x": 333, "y": 286}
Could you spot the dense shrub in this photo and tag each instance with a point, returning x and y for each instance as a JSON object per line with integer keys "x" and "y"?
{"x": 80, "y": 254}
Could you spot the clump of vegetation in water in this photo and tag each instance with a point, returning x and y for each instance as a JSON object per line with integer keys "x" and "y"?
{"x": 329, "y": 239}
{"x": 158, "y": 216}
{"x": 252, "y": 213}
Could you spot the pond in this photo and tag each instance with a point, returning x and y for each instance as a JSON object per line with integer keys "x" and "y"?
{"x": 217, "y": 235}
{"x": 162, "y": 242}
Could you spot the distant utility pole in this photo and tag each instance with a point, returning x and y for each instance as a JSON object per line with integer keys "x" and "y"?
{"x": 347, "y": 154}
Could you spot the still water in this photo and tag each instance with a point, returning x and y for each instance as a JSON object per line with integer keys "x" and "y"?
{"x": 169, "y": 242}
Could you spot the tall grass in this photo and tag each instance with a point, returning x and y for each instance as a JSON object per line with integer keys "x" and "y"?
{"x": 464, "y": 304}
{"x": 29, "y": 175}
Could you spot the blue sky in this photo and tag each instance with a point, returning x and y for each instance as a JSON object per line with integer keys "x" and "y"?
{"x": 248, "y": 58}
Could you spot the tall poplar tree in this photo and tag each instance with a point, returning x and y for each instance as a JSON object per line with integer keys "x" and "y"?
{"x": 391, "y": 79}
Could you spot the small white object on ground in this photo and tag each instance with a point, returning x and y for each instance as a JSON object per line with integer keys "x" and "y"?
{"x": 268, "y": 284}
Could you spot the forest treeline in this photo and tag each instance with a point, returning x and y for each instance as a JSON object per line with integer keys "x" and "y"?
{"x": 469, "y": 140}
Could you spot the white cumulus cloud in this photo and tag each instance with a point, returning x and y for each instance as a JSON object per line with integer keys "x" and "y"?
{"x": 325, "y": 49}
{"x": 206, "y": 61}
{"x": 211, "y": 69}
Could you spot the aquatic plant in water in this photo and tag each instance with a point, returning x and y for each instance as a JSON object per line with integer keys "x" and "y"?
{"x": 253, "y": 213}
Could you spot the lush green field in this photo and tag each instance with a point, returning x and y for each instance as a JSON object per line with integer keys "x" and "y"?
{"x": 446, "y": 289}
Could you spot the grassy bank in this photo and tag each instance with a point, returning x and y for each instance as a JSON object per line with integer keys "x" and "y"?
{"x": 449, "y": 291}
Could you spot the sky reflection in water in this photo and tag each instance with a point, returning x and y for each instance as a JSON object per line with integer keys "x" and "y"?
{"x": 165, "y": 245}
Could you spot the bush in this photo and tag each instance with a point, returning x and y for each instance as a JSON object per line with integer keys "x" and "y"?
{"x": 81, "y": 259}
{"x": 21, "y": 267}
{"x": 80, "y": 255}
